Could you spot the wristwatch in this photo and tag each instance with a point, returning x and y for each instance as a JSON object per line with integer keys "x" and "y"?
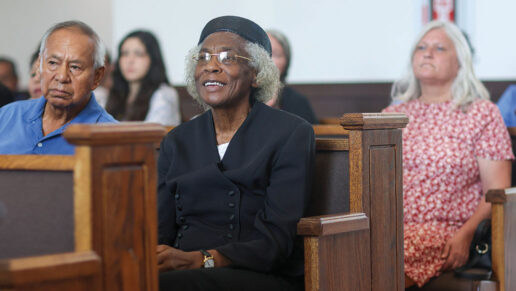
{"x": 208, "y": 261}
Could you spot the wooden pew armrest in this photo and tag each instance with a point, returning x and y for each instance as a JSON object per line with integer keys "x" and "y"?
{"x": 332, "y": 224}
{"x": 35, "y": 270}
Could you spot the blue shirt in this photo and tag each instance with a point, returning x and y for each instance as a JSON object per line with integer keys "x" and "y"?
{"x": 21, "y": 130}
{"x": 507, "y": 106}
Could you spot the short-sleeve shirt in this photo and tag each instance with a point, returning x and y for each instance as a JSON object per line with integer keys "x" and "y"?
{"x": 22, "y": 132}
{"x": 441, "y": 176}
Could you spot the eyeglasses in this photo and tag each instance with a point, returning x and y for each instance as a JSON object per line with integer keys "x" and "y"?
{"x": 226, "y": 58}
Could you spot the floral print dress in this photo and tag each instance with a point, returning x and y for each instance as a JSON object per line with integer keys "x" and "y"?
{"x": 441, "y": 178}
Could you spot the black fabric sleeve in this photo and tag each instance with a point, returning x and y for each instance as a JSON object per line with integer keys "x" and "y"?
{"x": 166, "y": 201}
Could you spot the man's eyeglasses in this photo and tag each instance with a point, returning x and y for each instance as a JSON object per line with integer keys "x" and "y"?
{"x": 226, "y": 58}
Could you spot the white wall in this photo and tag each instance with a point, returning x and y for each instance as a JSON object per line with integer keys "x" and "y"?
{"x": 23, "y": 23}
{"x": 332, "y": 40}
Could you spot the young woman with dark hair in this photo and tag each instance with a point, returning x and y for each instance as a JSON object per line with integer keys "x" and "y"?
{"x": 141, "y": 90}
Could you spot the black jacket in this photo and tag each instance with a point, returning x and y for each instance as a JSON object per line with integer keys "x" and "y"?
{"x": 247, "y": 205}
{"x": 296, "y": 103}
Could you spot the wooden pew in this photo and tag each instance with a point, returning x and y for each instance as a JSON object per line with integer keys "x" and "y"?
{"x": 503, "y": 219}
{"x": 320, "y": 130}
{"x": 112, "y": 180}
{"x": 503, "y": 222}
{"x": 330, "y": 100}
{"x": 354, "y": 235}
{"x": 330, "y": 131}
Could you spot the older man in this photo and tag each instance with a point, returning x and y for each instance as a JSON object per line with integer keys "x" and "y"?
{"x": 72, "y": 65}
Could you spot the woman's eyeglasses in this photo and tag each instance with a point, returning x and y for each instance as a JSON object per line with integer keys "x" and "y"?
{"x": 226, "y": 58}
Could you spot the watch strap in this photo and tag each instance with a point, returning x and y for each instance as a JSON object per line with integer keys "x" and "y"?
{"x": 208, "y": 261}
{"x": 205, "y": 253}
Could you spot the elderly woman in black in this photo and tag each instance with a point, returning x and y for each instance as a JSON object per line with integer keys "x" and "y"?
{"x": 234, "y": 181}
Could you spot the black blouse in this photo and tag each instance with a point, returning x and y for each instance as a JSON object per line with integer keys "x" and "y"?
{"x": 247, "y": 205}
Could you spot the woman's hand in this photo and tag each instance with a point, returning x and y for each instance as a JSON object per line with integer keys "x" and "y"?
{"x": 170, "y": 259}
{"x": 456, "y": 251}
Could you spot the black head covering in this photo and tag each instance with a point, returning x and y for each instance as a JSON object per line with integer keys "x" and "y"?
{"x": 238, "y": 25}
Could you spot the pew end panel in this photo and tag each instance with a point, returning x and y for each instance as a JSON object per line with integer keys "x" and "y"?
{"x": 357, "y": 183}
{"x": 114, "y": 206}
{"x": 336, "y": 252}
{"x": 34, "y": 188}
{"x": 118, "y": 168}
{"x": 375, "y": 163}
{"x": 503, "y": 227}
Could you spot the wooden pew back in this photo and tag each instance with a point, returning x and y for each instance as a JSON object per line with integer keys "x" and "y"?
{"x": 503, "y": 223}
{"x": 37, "y": 193}
{"x": 359, "y": 173}
{"x": 114, "y": 210}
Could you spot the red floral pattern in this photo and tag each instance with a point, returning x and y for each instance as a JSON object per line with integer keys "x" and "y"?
{"x": 441, "y": 178}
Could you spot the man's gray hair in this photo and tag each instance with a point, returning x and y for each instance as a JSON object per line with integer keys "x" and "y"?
{"x": 100, "y": 50}
{"x": 466, "y": 87}
{"x": 267, "y": 74}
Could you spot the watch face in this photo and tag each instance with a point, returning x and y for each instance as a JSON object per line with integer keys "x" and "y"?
{"x": 210, "y": 263}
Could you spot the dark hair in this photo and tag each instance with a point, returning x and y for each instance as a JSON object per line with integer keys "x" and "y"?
{"x": 33, "y": 57}
{"x": 6, "y": 96}
{"x": 11, "y": 63}
{"x": 116, "y": 104}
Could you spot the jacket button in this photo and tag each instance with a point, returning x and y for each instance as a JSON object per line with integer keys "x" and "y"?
{"x": 231, "y": 205}
{"x": 231, "y": 193}
{"x": 229, "y": 235}
{"x": 182, "y": 219}
{"x": 231, "y": 226}
{"x": 232, "y": 217}
{"x": 179, "y": 208}
{"x": 177, "y": 196}
{"x": 185, "y": 227}
{"x": 179, "y": 235}
{"x": 176, "y": 245}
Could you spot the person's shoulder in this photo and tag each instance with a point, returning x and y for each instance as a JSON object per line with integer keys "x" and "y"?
{"x": 189, "y": 127}
{"x": 511, "y": 89}
{"x": 166, "y": 91}
{"x": 279, "y": 119}
{"x": 399, "y": 107}
{"x": 291, "y": 93}
{"x": 483, "y": 105}
{"x": 105, "y": 117}
{"x": 95, "y": 113}
{"x": 19, "y": 106}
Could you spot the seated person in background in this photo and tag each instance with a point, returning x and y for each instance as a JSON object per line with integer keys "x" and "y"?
{"x": 140, "y": 89}
{"x": 234, "y": 181}
{"x": 102, "y": 91}
{"x": 455, "y": 148}
{"x": 507, "y": 106}
{"x": 289, "y": 99}
{"x": 9, "y": 78}
{"x": 72, "y": 58}
{"x": 35, "y": 78}
{"x": 6, "y": 96}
